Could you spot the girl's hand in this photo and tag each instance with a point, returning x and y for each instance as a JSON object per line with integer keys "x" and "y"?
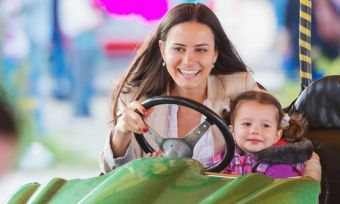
{"x": 130, "y": 121}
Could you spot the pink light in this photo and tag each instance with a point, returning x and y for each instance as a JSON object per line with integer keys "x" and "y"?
{"x": 148, "y": 9}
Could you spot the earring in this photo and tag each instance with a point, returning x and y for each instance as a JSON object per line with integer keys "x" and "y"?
{"x": 163, "y": 64}
{"x": 213, "y": 64}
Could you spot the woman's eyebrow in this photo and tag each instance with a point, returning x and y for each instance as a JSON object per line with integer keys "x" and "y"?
{"x": 178, "y": 44}
{"x": 198, "y": 45}
{"x": 203, "y": 44}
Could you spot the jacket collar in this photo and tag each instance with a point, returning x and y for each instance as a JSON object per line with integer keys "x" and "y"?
{"x": 217, "y": 99}
{"x": 289, "y": 153}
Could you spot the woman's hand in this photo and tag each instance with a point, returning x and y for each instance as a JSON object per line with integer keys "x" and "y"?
{"x": 157, "y": 153}
{"x": 313, "y": 167}
{"x": 129, "y": 121}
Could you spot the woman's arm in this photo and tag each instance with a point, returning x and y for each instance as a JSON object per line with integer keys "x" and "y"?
{"x": 108, "y": 161}
{"x": 128, "y": 122}
{"x": 313, "y": 167}
{"x": 121, "y": 147}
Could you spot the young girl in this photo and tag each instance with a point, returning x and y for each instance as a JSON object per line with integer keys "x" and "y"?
{"x": 267, "y": 140}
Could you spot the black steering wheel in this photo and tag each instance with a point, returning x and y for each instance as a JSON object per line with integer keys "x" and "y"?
{"x": 183, "y": 147}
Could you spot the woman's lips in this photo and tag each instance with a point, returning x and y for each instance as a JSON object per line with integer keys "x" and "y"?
{"x": 189, "y": 74}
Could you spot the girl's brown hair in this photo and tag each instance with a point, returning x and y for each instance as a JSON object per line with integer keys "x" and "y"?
{"x": 146, "y": 71}
{"x": 297, "y": 124}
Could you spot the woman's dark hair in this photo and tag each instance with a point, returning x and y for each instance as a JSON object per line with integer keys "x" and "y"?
{"x": 146, "y": 71}
{"x": 297, "y": 124}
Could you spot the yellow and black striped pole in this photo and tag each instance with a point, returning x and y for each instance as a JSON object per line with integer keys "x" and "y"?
{"x": 305, "y": 35}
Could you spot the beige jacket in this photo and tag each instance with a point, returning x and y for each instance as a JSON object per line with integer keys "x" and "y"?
{"x": 221, "y": 89}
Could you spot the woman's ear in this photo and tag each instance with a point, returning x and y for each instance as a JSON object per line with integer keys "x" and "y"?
{"x": 162, "y": 48}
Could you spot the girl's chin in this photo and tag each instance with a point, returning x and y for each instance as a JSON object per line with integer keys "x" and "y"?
{"x": 253, "y": 150}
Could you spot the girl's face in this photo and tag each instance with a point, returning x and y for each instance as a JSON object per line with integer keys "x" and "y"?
{"x": 189, "y": 54}
{"x": 255, "y": 126}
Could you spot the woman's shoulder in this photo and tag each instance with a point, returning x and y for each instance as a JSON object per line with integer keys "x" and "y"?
{"x": 237, "y": 77}
{"x": 232, "y": 84}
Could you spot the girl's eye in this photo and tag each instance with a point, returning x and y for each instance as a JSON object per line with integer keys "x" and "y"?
{"x": 266, "y": 125}
{"x": 245, "y": 124}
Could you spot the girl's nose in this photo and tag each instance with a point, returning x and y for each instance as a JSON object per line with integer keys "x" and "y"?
{"x": 254, "y": 129}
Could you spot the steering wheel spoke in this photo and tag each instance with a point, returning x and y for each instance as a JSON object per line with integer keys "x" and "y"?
{"x": 155, "y": 137}
{"x": 196, "y": 134}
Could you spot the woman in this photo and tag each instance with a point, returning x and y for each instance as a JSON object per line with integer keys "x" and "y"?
{"x": 189, "y": 55}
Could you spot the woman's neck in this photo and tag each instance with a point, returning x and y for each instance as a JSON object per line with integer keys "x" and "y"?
{"x": 198, "y": 95}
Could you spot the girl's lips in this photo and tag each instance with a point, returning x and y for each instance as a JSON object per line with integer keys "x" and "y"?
{"x": 254, "y": 141}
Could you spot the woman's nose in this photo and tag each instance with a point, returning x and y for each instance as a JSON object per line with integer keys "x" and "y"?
{"x": 188, "y": 58}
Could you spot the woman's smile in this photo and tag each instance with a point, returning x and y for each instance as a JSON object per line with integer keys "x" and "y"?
{"x": 189, "y": 74}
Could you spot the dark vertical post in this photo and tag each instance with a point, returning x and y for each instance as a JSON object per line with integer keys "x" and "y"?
{"x": 305, "y": 35}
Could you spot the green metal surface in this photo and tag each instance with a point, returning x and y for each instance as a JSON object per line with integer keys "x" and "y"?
{"x": 165, "y": 180}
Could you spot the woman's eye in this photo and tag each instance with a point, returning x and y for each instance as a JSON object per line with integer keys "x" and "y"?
{"x": 201, "y": 50}
{"x": 179, "y": 49}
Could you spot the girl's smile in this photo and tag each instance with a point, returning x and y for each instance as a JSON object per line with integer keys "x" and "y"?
{"x": 254, "y": 141}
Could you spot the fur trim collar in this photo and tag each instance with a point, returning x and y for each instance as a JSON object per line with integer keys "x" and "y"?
{"x": 289, "y": 153}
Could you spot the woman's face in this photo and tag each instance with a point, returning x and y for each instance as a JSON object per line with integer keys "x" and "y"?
{"x": 255, "y": 126}
{"x": 189, "y": 54}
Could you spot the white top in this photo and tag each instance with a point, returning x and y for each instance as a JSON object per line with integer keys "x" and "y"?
{"x": 203, "y": 149}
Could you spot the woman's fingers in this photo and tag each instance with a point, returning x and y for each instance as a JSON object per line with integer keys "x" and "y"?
{"x": 130, "y": 125}
{"x": 136, "y": 105}
{"x": 135, "y": 121}
{"x": 130, "y": 120}
{"x": 157, "y": 153}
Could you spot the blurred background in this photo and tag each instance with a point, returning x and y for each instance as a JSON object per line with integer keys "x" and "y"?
{"x": 60, "y": 58}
